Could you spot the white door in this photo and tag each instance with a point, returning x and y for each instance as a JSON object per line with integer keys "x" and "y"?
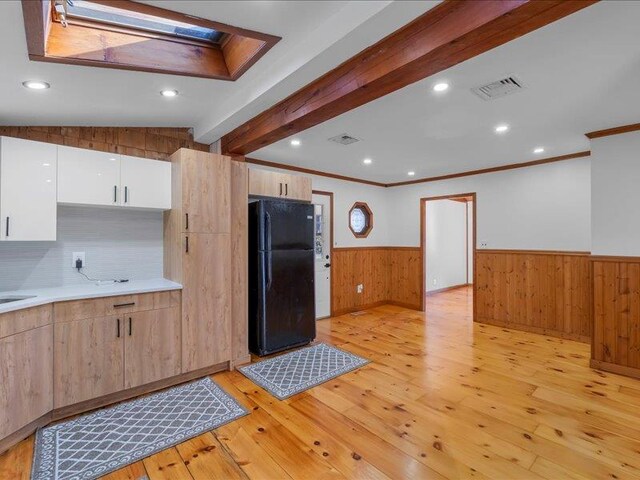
{"x": 88, "y": 177}
{"x": 322, "y": 226}
{"x": 28, "y": 208}
{"x": 145, "y": 183}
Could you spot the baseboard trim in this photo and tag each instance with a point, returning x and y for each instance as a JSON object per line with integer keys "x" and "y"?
{"x": 7, "y": 442}
{"x": 75, "y": 409}
{"x": 539, "y": 330}
{"x": 240, "y": 361}
{"x": 615, "y": 368}
{"x": 446, "y": 289}
{"x": 357, "y": 308}
{"x": 403, "y": 305}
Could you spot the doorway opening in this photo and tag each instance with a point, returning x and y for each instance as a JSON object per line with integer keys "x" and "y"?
{"x": 323, "y": 247}
{"x": 448, "y": 244}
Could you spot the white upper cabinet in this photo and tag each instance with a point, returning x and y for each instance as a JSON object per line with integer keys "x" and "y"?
{"x": 28, "y": 208}
{"x": 145, "y": 183}
{"x": 88, "y": 177}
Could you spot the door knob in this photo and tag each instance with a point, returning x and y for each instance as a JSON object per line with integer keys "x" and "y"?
{"x": 327, "y": 265}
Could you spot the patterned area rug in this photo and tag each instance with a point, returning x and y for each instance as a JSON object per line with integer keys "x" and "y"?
{"x": 90, "y": 446}
{"x": 298, "y": 371}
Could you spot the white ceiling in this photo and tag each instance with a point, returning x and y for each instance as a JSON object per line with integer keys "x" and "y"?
{"x": 582, "y": 74}
{"x": 106, "y": 97}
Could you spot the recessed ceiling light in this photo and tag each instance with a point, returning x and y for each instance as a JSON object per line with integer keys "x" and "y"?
{"x": 46, "y": 164}
{"x": 169, "y": 93}
{"x": 440, "y": 87}
{"x": 502, "y": 128}
{"x": 367, "y": 161}
{"x": 538, "y": 150}
{"x": 411, "y": 173}
{"x": 36, "y": 85}
{"x": 295, "y": 142}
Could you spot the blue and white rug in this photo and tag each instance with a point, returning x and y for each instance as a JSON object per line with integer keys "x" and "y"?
{"x": 298, "y": 371}
{"x": 90, "y": 446}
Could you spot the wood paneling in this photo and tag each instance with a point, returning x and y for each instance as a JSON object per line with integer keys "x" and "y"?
{"x": 154, "y": 143}
{"x": 405, "y": 272}
{"x": 388, "y": 274}
{"x": 542, "y": 292}
{"x": 446, "y": 35}
{"x": 616, "y": 307}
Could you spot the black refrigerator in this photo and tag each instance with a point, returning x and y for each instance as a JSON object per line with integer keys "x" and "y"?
{"x": 281, "y": 276}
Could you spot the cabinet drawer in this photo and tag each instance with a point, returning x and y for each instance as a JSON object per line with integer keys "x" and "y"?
{"x": 118, "y": 305}
{"x": 23, "y": 320}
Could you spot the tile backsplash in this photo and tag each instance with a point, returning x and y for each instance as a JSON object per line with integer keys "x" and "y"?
{"x": 118, "y": 243}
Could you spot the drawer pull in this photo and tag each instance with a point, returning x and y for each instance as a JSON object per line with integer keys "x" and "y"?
{"x": 119, "y": 305}
{"x": 129, "y": 326}
{"x": 118, "y": 334}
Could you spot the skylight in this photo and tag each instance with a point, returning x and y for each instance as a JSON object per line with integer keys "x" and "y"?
{"x": 97, "y": 12}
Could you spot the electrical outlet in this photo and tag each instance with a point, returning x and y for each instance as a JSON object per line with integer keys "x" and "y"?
{"x": 435, "y": 281}
{"x": 78, "y": 255}
{"x": 484, "y": 244}
{"x": 359, "y": 288}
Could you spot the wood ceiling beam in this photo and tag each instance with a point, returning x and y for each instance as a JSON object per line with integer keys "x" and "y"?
{"x": 450, "y": 33}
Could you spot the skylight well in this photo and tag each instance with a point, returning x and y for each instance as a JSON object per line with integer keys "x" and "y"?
{"x": 135, "y": 36}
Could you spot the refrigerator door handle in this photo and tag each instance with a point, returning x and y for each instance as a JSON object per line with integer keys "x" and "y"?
{"x": 268, "y": 270}
{"x": 267, "y": 231}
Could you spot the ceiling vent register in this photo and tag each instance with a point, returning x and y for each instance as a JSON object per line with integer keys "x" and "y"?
{"x": 499, "y": 88}
{"x": 344, "y": 139}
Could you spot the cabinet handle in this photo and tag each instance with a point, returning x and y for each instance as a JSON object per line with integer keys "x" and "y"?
{"x": 126, "y": 194}
{"x": 281, "y": 189}
{"x": 186, "y": 221}
{"x": 186, "y": 247}
{"x": 286, "y": 189}
{"x": 115, "y": 193}
{"x": 119, "y": 305}
{"x": 129, "y": 326}
{"x": 7, "y": 232}
{"x": 118, "y": 334}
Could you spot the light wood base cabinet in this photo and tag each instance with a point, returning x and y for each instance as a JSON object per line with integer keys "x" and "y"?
{"x": 88, "y": 359}
{"x": 94, "y": 357}
{"x": 26, "y": 374}
{"x": 152, "y": 346}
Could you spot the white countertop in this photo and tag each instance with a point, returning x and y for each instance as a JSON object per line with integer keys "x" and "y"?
{"x": 82, "y": 291}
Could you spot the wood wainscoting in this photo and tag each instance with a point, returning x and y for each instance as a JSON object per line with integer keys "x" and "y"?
{"x": 388, "y": 275}
{"x": 616, "y": 308}
{"x": 536, "y": 291}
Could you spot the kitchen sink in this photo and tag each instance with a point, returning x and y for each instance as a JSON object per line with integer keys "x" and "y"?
{"x": 14, "y": 299}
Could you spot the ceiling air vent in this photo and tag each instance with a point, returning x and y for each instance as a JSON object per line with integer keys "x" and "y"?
{"x": 499, "y": 88}
{"x": 344, "y": 139}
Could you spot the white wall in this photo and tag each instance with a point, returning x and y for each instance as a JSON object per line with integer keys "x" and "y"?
{"x": 345, "y": 194}
{"x": 446, "y": 244}
{"x": 546, "y": 207}
{"x": 615, "y": 195}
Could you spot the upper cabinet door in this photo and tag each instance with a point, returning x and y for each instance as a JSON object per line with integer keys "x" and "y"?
{"x": 145, "y": 183}
{"x": 28, "y": 209}
{"x": 88, "y": 177}
{"x": 298, "y": 188}
{"x": 206, "y": 192}
{"x": 264, "y": 183}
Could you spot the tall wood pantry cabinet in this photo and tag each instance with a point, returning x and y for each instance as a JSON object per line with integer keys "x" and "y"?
{"x": 198, "y": 254}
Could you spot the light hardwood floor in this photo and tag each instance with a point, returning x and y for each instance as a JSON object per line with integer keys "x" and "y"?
{"x": 442, "y": 398}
